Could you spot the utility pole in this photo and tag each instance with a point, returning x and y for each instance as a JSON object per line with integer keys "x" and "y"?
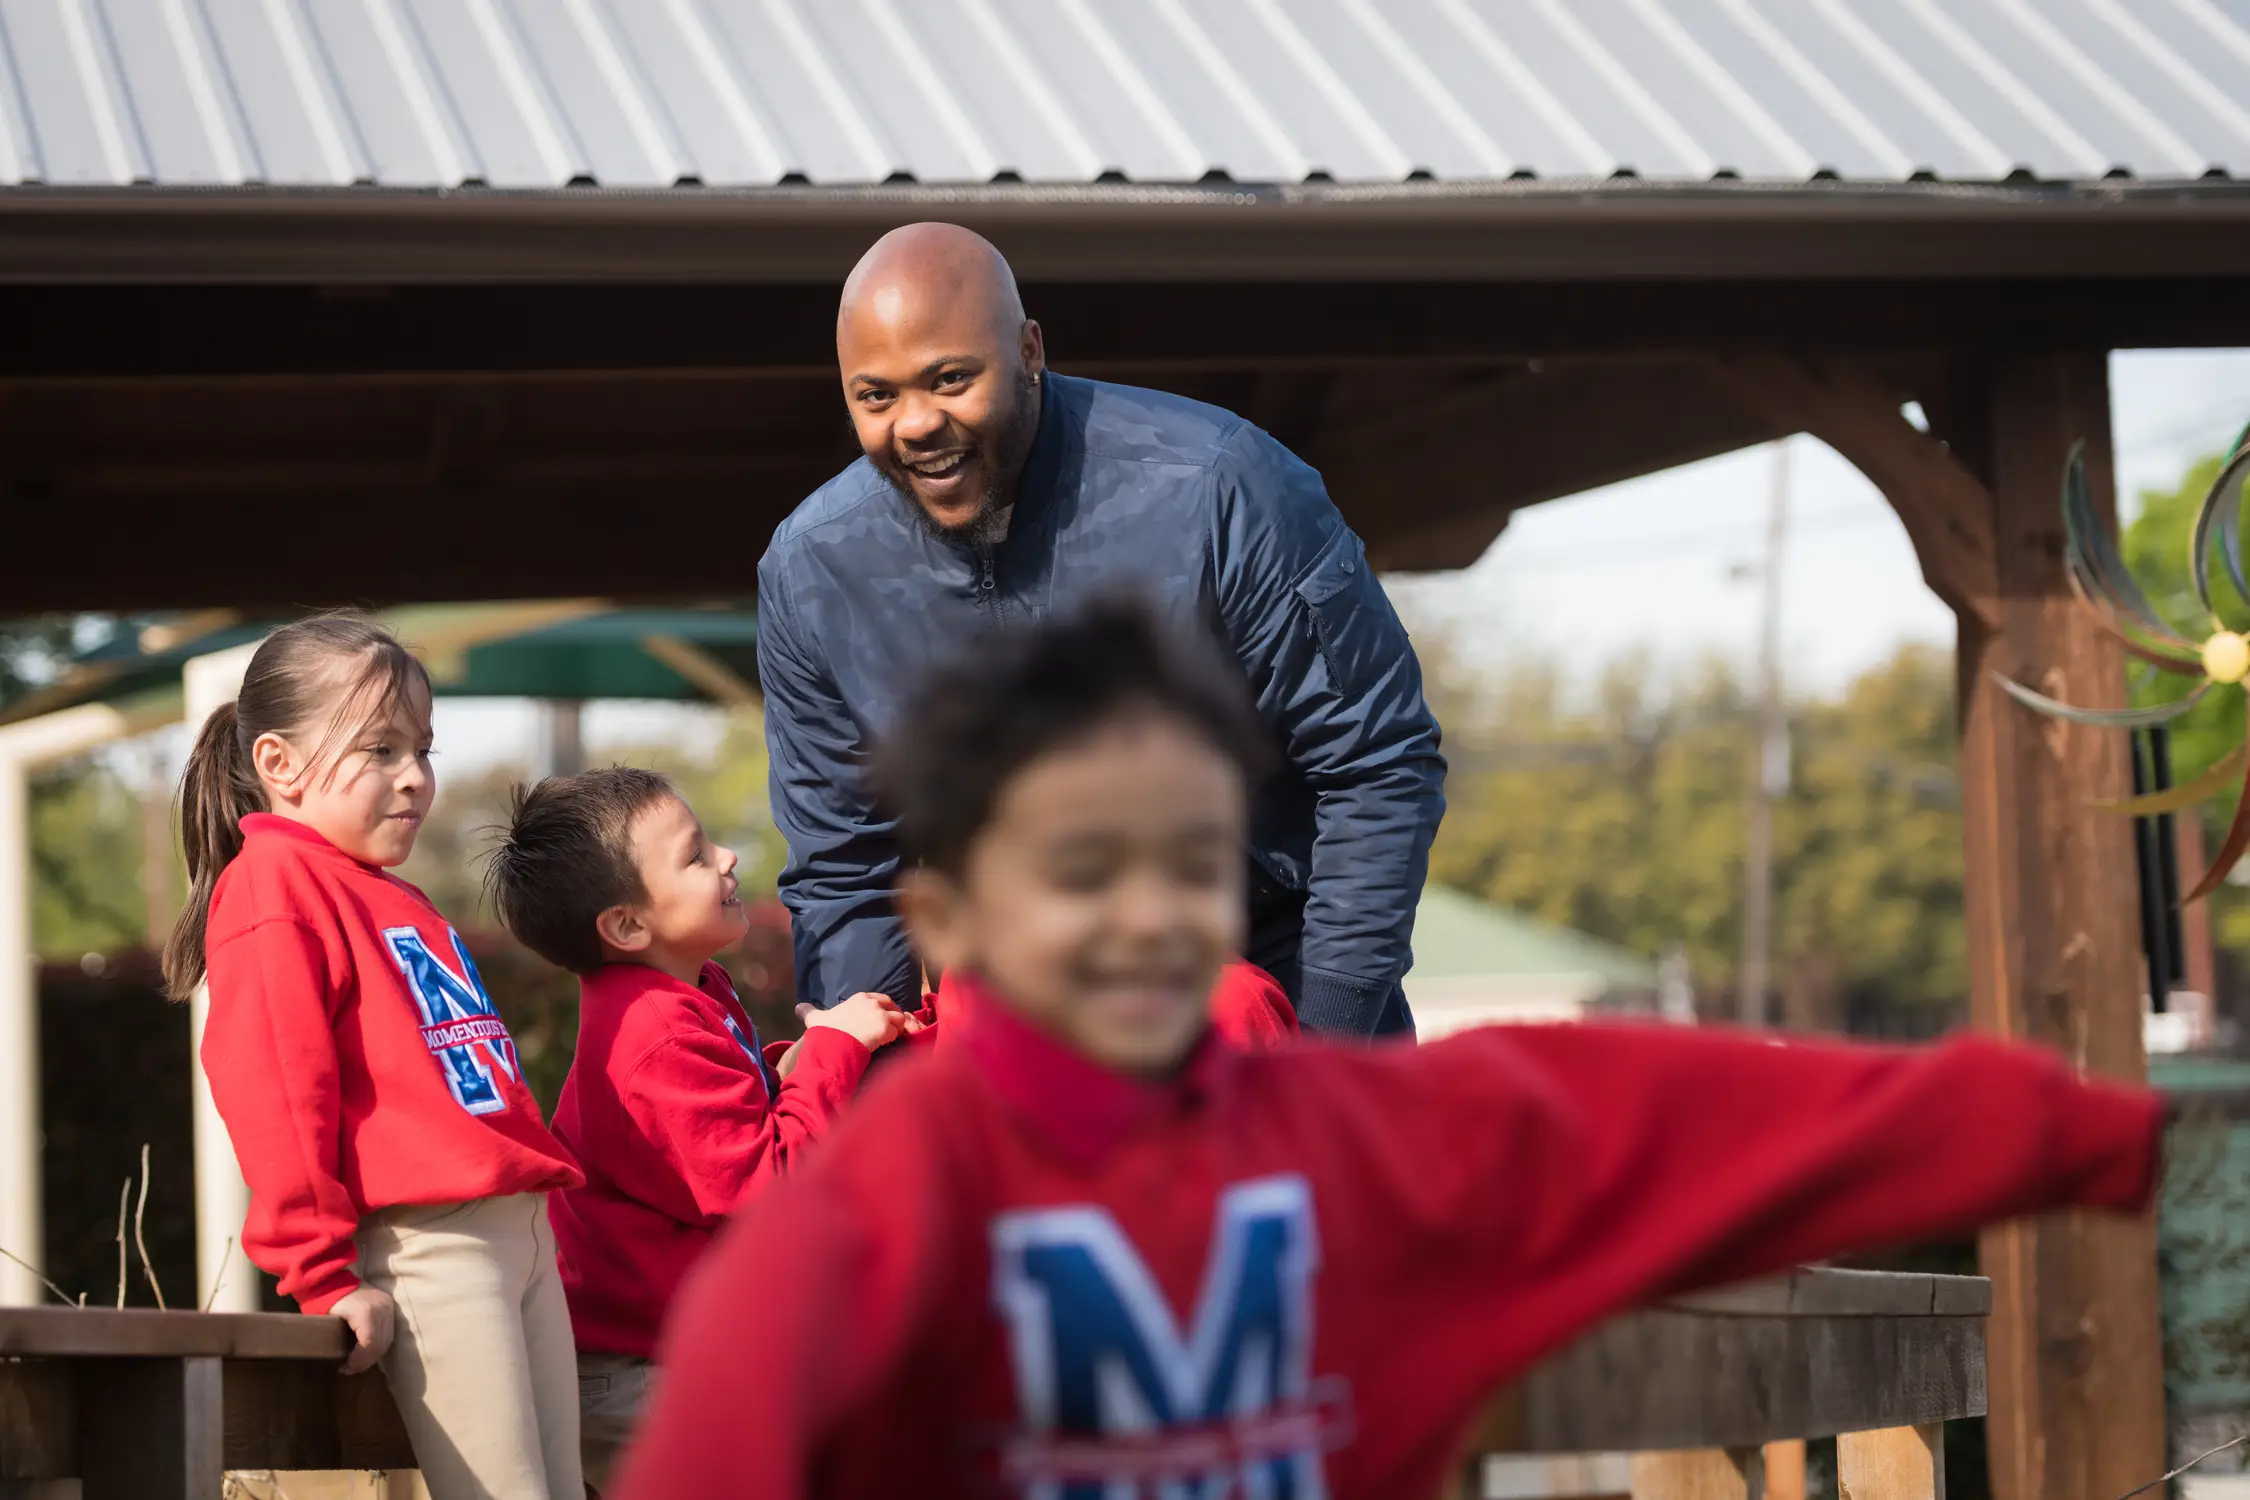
{"x": 566, "y": 743}
{"x": 1769, "y": 767}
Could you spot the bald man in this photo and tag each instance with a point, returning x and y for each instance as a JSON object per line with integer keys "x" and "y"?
{"x": 993, "y": 490}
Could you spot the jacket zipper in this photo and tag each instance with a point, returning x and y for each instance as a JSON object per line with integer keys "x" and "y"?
{"x": 987, "y": 585}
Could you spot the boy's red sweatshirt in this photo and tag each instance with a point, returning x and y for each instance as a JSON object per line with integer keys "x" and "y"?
{"x": 354, "y": 1056}
{"x": 1308, "y": 1266}
{"x": 668, "y": 1109}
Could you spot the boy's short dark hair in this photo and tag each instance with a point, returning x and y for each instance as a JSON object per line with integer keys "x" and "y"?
{"x": 1016, "y": 694}
{"x": 566, "y": 856}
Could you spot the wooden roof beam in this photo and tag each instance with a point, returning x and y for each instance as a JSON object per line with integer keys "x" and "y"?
{"x": 1433, "y": 483}
{"x": 1946, "y": 509}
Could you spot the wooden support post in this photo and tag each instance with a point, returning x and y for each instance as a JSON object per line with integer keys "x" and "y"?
{"x": 152, "y": 1429}
{"x": 1785, "y": 1470}
{"x": 1700, "y": 1474}
{"x": 2075, "y": 1354}
{"x": 1897, "y": 1463}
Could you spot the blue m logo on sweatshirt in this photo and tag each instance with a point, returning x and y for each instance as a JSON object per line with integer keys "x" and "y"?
{"x": 1119, "y": 1400}
{"x": 460, "y": 1024}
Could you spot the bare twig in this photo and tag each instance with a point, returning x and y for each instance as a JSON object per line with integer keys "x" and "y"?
{"x": 141, "y": 1244}
{"x": 219, "y": 1280}
{"x": 124, "y": 1197}
{"x": 43, "y": 1281}
{"x": 2191, "y": 1463}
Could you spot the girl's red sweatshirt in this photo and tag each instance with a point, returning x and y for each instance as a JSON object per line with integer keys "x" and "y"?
{"x": 355, "y": 1057}
{"x": 1300, "y": 1272}
{"x": 672, "y": 1111}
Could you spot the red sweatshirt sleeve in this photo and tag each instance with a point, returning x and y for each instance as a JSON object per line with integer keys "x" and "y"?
{"x": 1250, "y": 1009}
{"x": 1635, "y": 1161}
{"x": 710, "y": 1119}
{"x": 269, "y": 1049}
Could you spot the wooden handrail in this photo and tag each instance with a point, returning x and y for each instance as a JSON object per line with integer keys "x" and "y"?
{"x": 1695, "y": 1387}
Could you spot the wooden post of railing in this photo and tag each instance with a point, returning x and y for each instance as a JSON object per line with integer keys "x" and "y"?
{"x": 1896, "y": 1463}
{"x": 1785, "y": 1469}
{"x": 1700, "y": 1474}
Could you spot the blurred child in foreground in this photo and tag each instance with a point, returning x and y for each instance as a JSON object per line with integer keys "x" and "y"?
{"x": 1094, "y": 1251}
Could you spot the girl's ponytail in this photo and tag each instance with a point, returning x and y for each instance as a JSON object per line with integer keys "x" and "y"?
{"x": 218, "y": 790}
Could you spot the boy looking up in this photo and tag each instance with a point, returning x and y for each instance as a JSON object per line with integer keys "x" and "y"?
{"x": 671, "y": 1105}
{"x": 1098, "y": 1253}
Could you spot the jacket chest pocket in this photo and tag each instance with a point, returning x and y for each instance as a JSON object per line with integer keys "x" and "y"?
{"x": 1335, "y": 595}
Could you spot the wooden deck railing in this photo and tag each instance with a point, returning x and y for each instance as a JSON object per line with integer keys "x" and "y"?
{"x": 1696, "y": 1389}
{"x": 157, "y": 1406}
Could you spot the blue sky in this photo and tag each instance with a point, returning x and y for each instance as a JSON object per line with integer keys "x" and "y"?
{"x": 1646, "y": 564}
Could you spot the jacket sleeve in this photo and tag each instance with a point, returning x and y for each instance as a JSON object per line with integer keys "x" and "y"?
{"x": 269, "y": 1050}
{"x": 1333, "y": 670}
{"x": 702, "y": 1107}
{"x": 843, "y": 857}
{"x": 1633, "y": 1162}
{"x": 866, "y": 1262}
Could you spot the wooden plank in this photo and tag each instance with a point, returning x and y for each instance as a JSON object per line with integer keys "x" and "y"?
{"x": 38, "y": 1420}
{"x": 1560, "y": 1476}
{"x": 1785, "y": 1470}
{"x": 290, "y": 1416}
{"x": 1700, "y": 1474}
{"x": 1895, "y": 1463}
{"x": 128, "y": 1332}
{"x": 151, "y": 1429}
{"x": 1669, "y": 1379}
{"x": 2054, "y": 946}
{"x": 1830, "y": 1292}
{"x": 1961, "y": 1296}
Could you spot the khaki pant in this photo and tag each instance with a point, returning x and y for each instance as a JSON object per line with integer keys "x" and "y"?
{"x": 482, "y": 1365}
{"x": 613, "y": 1391}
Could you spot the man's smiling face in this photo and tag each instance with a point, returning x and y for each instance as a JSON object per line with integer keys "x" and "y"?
{"x": 940, "y": 371}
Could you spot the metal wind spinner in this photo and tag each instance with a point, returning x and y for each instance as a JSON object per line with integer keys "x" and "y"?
{"x": 2099, "y": 577}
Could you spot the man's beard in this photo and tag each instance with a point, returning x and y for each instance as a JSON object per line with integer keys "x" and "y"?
{"x": 1003, "y": 455}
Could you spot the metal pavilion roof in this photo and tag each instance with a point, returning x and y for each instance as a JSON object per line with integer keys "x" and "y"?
{"x": 542, "y": 94}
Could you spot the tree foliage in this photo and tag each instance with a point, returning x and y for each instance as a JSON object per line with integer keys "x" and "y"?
{"x": 1625, "y": 816}
{"x": 2157, "y": 547}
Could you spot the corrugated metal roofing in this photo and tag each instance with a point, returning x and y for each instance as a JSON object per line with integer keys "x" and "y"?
{"x": 546, "y": 93}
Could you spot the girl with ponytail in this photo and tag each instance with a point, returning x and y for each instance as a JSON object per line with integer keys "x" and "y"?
{"x": 398, "y": 1166}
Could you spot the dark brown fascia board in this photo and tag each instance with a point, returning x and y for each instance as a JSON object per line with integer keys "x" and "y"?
{"x": 1617, "y": 230}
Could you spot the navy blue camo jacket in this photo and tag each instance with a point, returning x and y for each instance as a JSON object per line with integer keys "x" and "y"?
{"x": 1223, "y": 528}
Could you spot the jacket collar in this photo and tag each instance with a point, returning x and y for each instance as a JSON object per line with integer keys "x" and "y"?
{"x": 1041, "y": 467}
{"x": 1077, "y": 1109}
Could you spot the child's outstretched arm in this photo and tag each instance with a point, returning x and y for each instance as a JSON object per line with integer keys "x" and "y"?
{"x": 1597, "y": 1167}
{"x": 269, "y": 1049}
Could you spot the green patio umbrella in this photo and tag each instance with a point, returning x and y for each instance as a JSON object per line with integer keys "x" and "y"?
{"x": 570, "y": 650}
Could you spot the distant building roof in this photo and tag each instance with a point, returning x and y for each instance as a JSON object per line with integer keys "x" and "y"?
{"x": 744, "y": 93}
{"x": 1459, "y": 937}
